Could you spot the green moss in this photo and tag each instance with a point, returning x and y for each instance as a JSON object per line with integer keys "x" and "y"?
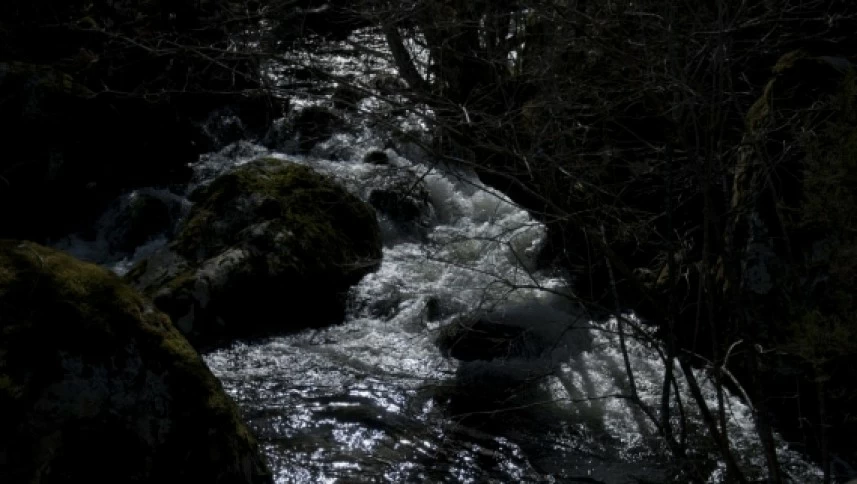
{"x": 55, "y": 309}
{"x": 829, "y": 204}
{"x": 800, "y": 80}
{"x": 805, "y": 131}
{"x": 788, "y": 61}
{"x": 87, "y": 23}
{"x": 183, "y": 280}
{"x": 137, "y": 271}
{"x": 9, "y": 389}
{"x": 84, "y": 292}
{"x": 759, "y": 112}
{"x": 6, "y": 275}
{"x": 319, "y": 214}
{"x": 819, "y": 337}
{"x": 267, "y": 234}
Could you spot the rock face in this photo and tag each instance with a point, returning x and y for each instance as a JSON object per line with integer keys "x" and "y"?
{"x": 794, "y": 239}
{"x": 263, "y": 244}
{"x": 97, "y": 386}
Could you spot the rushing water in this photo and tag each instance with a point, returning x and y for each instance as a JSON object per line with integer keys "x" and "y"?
{"x": 374, "y": 400}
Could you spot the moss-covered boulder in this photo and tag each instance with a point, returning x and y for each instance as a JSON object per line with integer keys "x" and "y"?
{"x": 793, "y": 236}
{"x": 268, "y": 247}
{"x": 97, "y": 386}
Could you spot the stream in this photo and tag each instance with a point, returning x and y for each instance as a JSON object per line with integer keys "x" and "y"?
{"x": 374, "y": 399}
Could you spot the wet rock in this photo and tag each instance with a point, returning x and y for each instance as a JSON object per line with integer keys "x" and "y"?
{"x": 382, "y": 303}
{"x": 222, "y": 128}
{"x": 547, "y": 331}
{"x": 388, "y": 84}
{"x": 280, "y": 137}
{"x": 35, "y": 100}
{"x": 347, "y": 97}
{"x": 376, "y": 157}
{"x": 401, "y": 205}
{"x": 96, "y": 385}
{"x": 258, "y": 109}
{"x": 404, "y": 200}
{"x": 141, "y": 216}
{"x": 98, "y": 148}
{"x": 250, "y": 116}
{"x": 263, "y": 244}
{"x": 483, "y": 339}
{"x": 315, "y": 124}
{"x": 438, "y": 308}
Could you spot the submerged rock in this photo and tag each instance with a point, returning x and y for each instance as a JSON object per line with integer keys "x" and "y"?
{"x": 138, "y": 217}
{"x": 376, "y": 157}
{"x": 251, "y": 116}
{"x": 482, "y": 339}
{"x": 347, "y": 97}
{"x": 315, "y": 124}
{"x": 263, "y": 244}
{"x": 402, "y": 203}
{"x": 405, "y": 202}
{"x": 96, "y": 385}
{"x": 549, "y": 331}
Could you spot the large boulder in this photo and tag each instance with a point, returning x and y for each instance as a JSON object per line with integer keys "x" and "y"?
{"x": 97, "y": 386}
{"x": 264, "y": 243}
